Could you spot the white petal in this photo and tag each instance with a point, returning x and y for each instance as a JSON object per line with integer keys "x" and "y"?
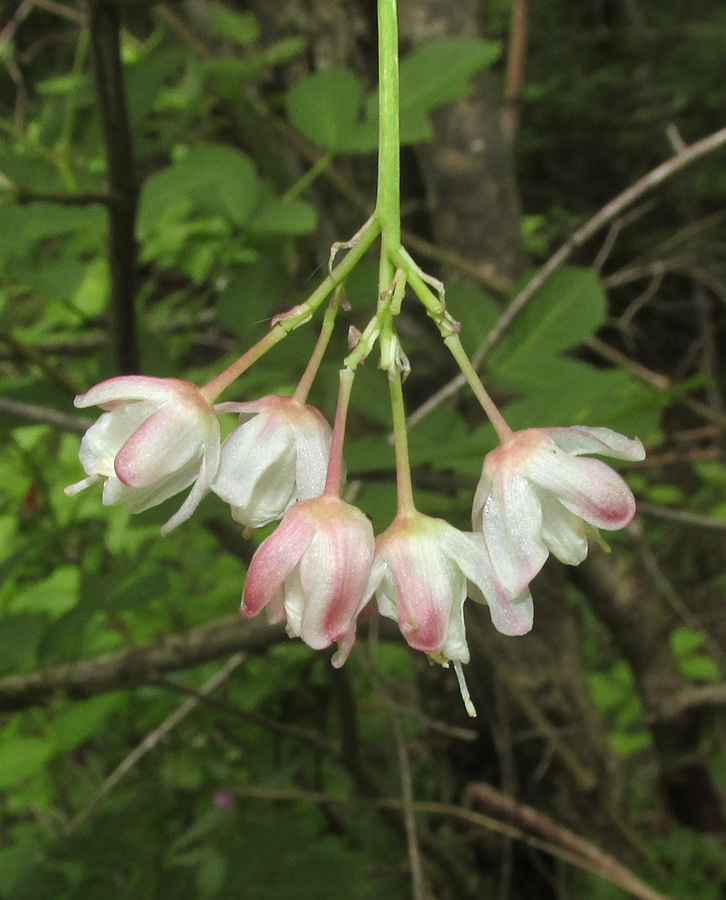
{"x": 562, "y": 531}
{"x": 512, "y": 524}
{"x": 509, "y": 616}
{"x": 580, "y": 439}
{"x": 257, "y": 451}
{"x": 200, "y": 489}
{"x": 313, "y": 449}
{"x": 426, "y": 584}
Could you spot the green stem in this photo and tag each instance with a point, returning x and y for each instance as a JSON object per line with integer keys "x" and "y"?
{"x": 406, "y": 505}
{"x": 388, "y": 197}
{"x": 311, "y": 370}
{"x": 334, "y": 479}
{"x": 504, "y": 432}
{"x": 449, "y": 332}
{"x": 297, "y": 316}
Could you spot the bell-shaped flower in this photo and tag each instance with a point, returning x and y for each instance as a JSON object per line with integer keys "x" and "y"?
{"x": 276, "y": 456}
{"x": 157, "y": 437}
{"x": 538, "y": 496}
{"x": 312, "y": 571}
{"x": 422, "y": 573}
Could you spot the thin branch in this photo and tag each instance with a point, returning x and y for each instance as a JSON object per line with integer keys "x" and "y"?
{"x": 152, "y": 739}
{"x": 44, "y": 416}
{"x": 105, "y": 26}
{"x": 680, "y": 516}
{"x": 516, "y": 64}
{"x": 24, "y": 196}
{"x": 534, "y": 821}
{"x": 566, "y": 846}
{"x": 139, "y": 665}
{"x": 605, "y": 215}
{"x": 37, "y": 358}
{"x": 248, "y": 715}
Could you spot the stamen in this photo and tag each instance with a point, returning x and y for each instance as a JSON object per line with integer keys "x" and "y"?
{"x": 470, "y": 708}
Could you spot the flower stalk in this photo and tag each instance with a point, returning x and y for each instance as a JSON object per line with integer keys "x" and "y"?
{"x": 298, "y": 315}
{"x": 334, "y": 479}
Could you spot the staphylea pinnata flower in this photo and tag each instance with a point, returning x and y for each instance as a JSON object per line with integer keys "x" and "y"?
{"x": 312, "y": 572}
{"x": 156, "y": 437}
{"x": 422, "y": 573}
{"x": 276, "y": 456}
{"x": 538, "y": 495}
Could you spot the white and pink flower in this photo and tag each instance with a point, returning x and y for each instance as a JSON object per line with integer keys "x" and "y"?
{"x": 423, "y": 571}
{"x": 312, "y": 571}
{"x": 276, "y": 456}
{"x": 157, "y": 437}
{"x": 538, "y": 496}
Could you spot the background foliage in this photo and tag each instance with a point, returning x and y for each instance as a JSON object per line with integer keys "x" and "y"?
{"x": 254, "y": 146}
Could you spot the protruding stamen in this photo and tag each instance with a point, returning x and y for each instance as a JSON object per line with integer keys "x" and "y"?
{"x": 470, "y": 708}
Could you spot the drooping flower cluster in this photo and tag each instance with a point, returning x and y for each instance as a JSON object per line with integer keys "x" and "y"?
{"x": 537, "y": 495}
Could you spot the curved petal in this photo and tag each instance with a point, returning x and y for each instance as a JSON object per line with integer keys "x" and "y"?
{"x": 511, "y": 525}
{"x": 200, "y": 488}
{"x": 162, "y": 444}
{"x": 580, "y": 439}
{"x": 138, "y": 500}
{"x": 126, "y": 388}
{"x": 563, "y": 532}
{"x": 587, "y": 487}
{"x": 275, "y": 559}
{"x": 509, "y": 616}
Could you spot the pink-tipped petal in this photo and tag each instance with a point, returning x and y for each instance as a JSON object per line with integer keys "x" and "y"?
{"x": 108, "y": 434}
{"x": 128, "y": 388}
{"x": 275, "y": 559}
{"x": 513, "y": 617}
{"x": 512, "y": 522}
{"x": 424, "y": 591}
{"x": 334, "y": 572}
{"x": 579, "y": 440}
{"x": 587, "y": 487}
{"x": 161, "y": 445}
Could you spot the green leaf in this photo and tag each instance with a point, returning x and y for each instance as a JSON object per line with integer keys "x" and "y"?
{"x": 241, "y": 28}
{"x": 686, "y": 640}
{"x": 22, "y": 757}
{"x": 55, "y": 595}
{"x": 284, "y": 218}
{"x": 567, "y": 310}
{"x": 325, "y": 107}
{"x": 439, "y": 72}
{"x": 77, "y": 723}
{"x": 212, "y": 178}
{"x": 19, "y": 639}
{"x": 251, "y": 295}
